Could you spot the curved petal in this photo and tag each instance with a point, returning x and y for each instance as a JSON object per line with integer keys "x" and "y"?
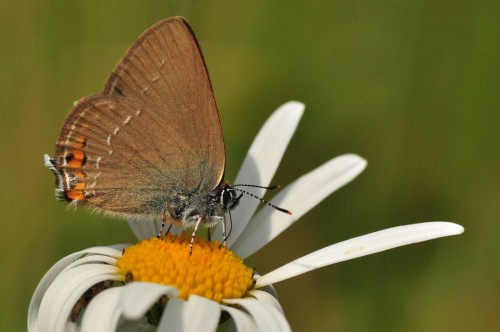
{"x": 103, "y": 312}
{"x": 361, "y": 246}
{"x": 262, "y": 160}
{"x": 267, "y": 298}
{"x": 268, "y": 288}
{"x": 300, "y": 196}
{"x": 55, "y": 270}
{"x": 173, "y": 316}
{"x": 265, "y": 316}
{"x": 197, "y": 314}
{"x": 241, "y": 321}
{"x": 90, "y": 259}
{"x": 203, "y": 314}
{"x": 138, "y": 297}
{"x": 65, "y": 291}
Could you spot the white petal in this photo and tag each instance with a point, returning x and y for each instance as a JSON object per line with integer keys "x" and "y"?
{"x": 241, "y": 321}
{"x": 203, "y": 314}
{"x": 55, "y": 270}
{"x": 139, "y": 297}
{"x": 173, "y": 315}
{"x": 197, "y": 314}
{"x": 261, "y": 162}
{"x": 71, "y": 327}
{"x": 100, "y": 259}
{"x": 267, "y": 298}
{"x": 65, "y": 291}
{"x": 144, "y": 229}
{"x": 103, "y": 312}
{"x": 265, "y": 316}
{"x": 268, "y": 288}
{"x": 361, "y": 246}
{"x": 300, "y": 197}
{"x": 135, "y": 326}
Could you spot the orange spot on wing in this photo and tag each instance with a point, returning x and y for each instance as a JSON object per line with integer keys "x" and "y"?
{"x": 79, "y": 186}
{"x": 75, "y": 192}
{"x": 78, "y": 154}
{"x": 75, "y": 195}
{"x": 80, "y": 142}
{"x": 74, "y": 163}
{"x": 75, "y": 159}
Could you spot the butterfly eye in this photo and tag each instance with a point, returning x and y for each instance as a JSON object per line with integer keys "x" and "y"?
{"x": 227, "y": 197}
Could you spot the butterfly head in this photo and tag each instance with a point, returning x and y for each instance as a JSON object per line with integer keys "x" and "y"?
{"x": 228, "y": 197}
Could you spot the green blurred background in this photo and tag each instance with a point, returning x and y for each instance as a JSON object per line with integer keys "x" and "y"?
{"x": 412, "y": 86}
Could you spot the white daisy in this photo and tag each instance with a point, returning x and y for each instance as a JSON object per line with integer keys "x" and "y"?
{"x": 130, "y": 287}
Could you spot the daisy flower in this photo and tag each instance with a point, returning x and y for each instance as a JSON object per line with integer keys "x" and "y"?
{"x": 156, "y": 284}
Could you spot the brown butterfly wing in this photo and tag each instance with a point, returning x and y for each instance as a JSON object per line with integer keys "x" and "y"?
{"x": 153, "y": 132}
{"x": 165, "y": 68}
{"x": 167, "y": 48}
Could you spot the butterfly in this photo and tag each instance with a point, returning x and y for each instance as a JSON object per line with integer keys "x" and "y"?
{"x": 150, "y": 144}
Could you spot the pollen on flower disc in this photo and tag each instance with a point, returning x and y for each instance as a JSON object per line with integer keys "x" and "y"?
{"x": 213, "y": 272}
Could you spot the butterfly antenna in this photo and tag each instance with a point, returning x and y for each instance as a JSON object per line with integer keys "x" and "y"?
{"x": 255, "y": 186}
{"x": 261, "y": 199}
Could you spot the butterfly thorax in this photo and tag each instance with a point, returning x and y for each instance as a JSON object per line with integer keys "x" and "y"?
{"x": 209, "y": 206}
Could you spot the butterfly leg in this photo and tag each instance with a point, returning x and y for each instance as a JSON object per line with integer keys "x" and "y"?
{"x": 168, "y": 229}
{"x": 198, "y": 222}
{"x": 209, "y": 237}
{"x": 224, "y": 235}
{"x": 163, "y": 221}
{"x": 166, "y": 215}
{"x": 160, "y": 234}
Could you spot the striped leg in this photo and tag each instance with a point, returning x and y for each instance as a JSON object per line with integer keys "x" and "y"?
{"x": 193, "y": 235}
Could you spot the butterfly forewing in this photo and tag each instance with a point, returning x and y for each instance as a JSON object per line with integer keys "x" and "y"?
{"x": 165, "y": 69}
{"x": 161, "y": 87}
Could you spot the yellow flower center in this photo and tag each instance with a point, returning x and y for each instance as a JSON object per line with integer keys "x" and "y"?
{"x": 213, "y": 272}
